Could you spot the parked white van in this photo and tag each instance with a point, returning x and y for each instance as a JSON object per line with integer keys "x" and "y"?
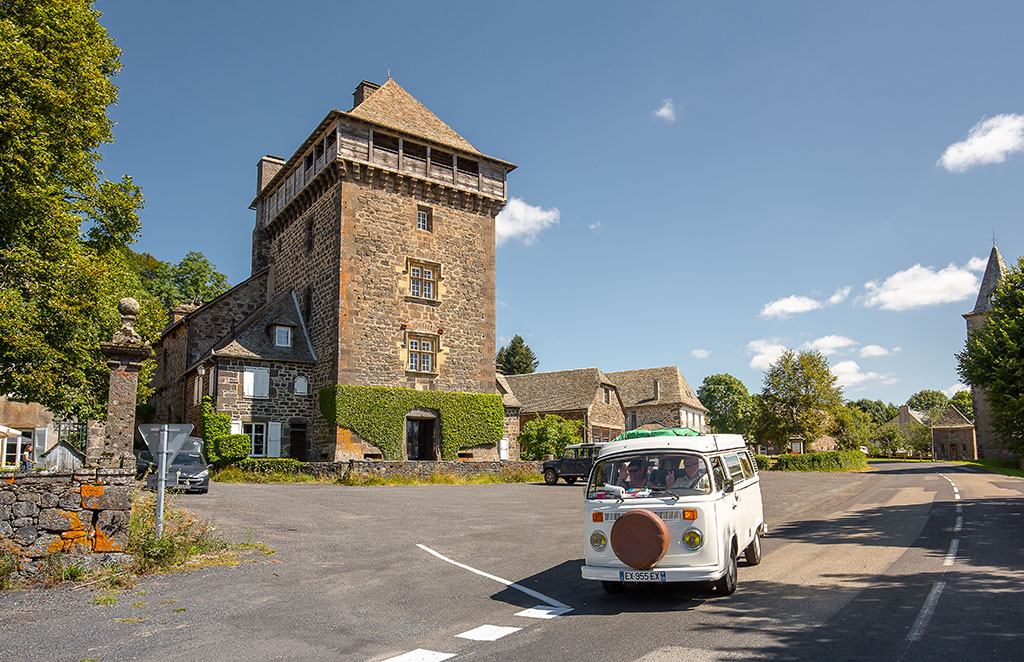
{"x": 672, "y": 505}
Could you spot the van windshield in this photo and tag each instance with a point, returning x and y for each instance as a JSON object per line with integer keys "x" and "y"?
{"x": 644, "y": 474}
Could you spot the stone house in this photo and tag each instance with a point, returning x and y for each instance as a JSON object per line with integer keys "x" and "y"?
{"x": 373, "y": 265}
{"x": 987, "y": 440}
{"x": 659, "y": 395}
{"x": 906, "y": 417}
{"x": 586, "y": 395}
{"x": 510, "y": 429}
{"x": 953, "y": 436}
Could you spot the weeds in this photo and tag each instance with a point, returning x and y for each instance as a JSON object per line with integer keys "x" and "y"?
{"x": 235, "y": 474}
{"x": 183, "y": 538}
{"x": 104, "y": 599}
{"x": 8, "y": 564}
{"x": 53, "y": 570}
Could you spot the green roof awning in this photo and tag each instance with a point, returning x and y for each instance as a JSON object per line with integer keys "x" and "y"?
{"x": 661, "y": 432}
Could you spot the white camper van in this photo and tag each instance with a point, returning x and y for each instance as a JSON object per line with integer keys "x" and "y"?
{"x": 672, "y": 505}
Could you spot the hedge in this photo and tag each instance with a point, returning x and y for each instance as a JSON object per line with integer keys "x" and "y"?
{"x": 233, "y": 448}
{"x": 377, "y": 414}
{"x": 270, "y": 465}
{"x": 215, "y": 426}
{"x": 826, "y": 461}
{"x": 764, "y": 463}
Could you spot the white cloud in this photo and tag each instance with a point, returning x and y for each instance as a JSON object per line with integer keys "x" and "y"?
{"x": 829, "y": 344}
{"x": 848, "y": 373}
{"x": 667, "y": 111}
{"x": 791, "y": 305}
{"x": 977, "y": 264}
{"x": 919, "y": 286}
{"x": 596, "y": 225}
{"x": 701, "y": 353}
{"x": 988, "y": 141}
{"x": 839, "y": 296}
{"x": 783, "y": 308}
{"x": 956, "y": 388}
{"x": 868, "y": 351}
{"x": 765, "y": 352}
{"x": 519, "y": 220}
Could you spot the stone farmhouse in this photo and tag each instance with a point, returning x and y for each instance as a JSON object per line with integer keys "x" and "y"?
{"x": 611, "y": 403}
{"x": 953, "y": 436}
{"x": 373, "y": 267}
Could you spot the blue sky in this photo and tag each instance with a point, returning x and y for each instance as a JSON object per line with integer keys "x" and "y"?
{"x": 699, "y": 184}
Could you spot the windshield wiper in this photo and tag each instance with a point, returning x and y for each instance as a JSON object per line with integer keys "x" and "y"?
{"x": 663, "y": 490}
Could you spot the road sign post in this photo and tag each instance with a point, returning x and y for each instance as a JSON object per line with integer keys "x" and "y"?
{"x": 164, "y": 442}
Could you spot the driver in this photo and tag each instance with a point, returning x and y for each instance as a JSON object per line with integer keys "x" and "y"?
{"x": 633, "y": 475}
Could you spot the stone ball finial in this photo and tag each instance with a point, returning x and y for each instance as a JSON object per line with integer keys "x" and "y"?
{"x": 128, "y": 306}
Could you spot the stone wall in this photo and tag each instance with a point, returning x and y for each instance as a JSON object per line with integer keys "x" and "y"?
{"x": 962, "y": 437}
{"x": 82, "y": 515}
{"x": 510, "y": 430}
{"x": 418, "y": 468}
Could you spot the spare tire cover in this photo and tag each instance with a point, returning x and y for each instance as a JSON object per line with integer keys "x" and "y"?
{"x": 639, "y": 539}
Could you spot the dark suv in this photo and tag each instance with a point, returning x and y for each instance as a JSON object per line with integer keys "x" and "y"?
{"x": 575, "y": 463}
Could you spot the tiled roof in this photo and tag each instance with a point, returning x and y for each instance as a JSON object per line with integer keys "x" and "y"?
{"x": 994, "y": 273}
{"x": 253, "y": 339}
{"x": 565, "y": 390}
{"x": 952, "y": 418}
{"x": 508, "y": 398}
{"x": 636, "y": 387}
{"x": 392, "y": 106}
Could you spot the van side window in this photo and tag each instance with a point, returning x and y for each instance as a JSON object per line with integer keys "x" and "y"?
{"x": 721, "y": 478}
{"x": 753, "y": 460}
{"x": 735, "y": 470}
{"x": 748, "y": 471}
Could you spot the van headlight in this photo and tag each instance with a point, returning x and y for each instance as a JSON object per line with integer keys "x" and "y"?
{"x": 693, "y": 539}
{"x": 598, "y": 541}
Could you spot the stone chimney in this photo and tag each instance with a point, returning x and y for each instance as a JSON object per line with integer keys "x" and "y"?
{"x": 181, "y": 311}
{"x": 266, "y": 169}
{"x": 363, "y": 90}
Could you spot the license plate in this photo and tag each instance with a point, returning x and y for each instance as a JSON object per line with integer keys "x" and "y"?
{"x": 641, "y": 575}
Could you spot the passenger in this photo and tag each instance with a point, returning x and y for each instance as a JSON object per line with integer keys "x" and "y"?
{"x": 634, "y": 476}
{"x": 693, "y": 476}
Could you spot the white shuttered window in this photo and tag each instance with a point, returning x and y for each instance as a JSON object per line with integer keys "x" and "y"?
{"x": 256, "y": 383}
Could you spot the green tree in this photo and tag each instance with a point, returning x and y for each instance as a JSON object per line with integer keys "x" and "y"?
{"x": 547, "y": 435}
{"x": 964, "y": 404}
{"x": 880, "y": 412}
{"x": 851, "y": 428}
{"x": 927, "y": 399}
{"x": 798, "y": 398}
{"x": 993, "y": 359}
{"x": 63, "y": 226}
{"x": 516, "y": 358}
{"x": 197, "y": 280}
{"x": 730, "y": 407}
{"x": 890, "y": 438}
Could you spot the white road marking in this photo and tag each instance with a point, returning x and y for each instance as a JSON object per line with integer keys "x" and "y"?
{"x": 959, "y": 524}
{"x": 917, "y": 631}
{"x": 951, "y": 556}
{"x": 540, "y": 611}
{"x": 529, "y": 591}
{"x": 421, "y": 655}
{"x": 957, "y": 496}
{"x": 487, "y": 633}
{"x": 959, "y": 508}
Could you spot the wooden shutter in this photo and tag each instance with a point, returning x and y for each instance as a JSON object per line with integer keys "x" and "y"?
{"x": 248, "y": 382}
{"x": 274, "y": 439}
{"x": 262, "y": 382}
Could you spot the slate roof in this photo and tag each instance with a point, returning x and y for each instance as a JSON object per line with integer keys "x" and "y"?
{"x": 952, "y": 418}
{"x": 564, "y": 390}
{"x": 508, "y": 398}
{"x": 636, "y": 387}
{"x": 391, "y": 106}
{"x": 994, "y": 274}
{"x": 252, "y": 337}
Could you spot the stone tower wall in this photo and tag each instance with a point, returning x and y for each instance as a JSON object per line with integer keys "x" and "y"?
{"x": 986, "y": 437}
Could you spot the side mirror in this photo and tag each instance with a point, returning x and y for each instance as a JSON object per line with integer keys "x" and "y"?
{"x": 729, "y": 487}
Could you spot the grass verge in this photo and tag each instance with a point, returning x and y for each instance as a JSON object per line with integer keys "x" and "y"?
{"x": 237, "y": 475}
{"x": 1004, "y": 467}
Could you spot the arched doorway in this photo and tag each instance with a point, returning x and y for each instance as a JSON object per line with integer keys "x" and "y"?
{"x": 421, "y": 435}
{"x": 953, "y": 452}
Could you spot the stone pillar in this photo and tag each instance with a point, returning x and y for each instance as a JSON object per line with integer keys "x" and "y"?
{"x": 125, "y": 354}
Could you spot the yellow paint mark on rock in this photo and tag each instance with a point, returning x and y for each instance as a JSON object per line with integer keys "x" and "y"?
{"x": 92, "y": 490}
{"x": 103, "y": 543}
{"x": 10, "y": 481}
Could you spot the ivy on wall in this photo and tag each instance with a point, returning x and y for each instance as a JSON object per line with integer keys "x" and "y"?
{"x": 377, "y": 415}
{"x": 215, "y": 427}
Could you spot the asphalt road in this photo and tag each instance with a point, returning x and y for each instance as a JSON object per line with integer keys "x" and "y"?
{"x": 856, "y": 567}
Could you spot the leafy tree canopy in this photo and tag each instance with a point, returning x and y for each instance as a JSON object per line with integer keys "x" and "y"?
{"x": 798, "y": 398}
{"x": 547, "y": 435}
{"x": 192, "y": 280}
{"x": 880, "y": 412}
{"x": 851, "y": 428}
{"x": 993, "y": 359}
{"x": 516, "y": 358}
{"x": 927, "y": 399}
{"x": 963, "y": 402}
{"x": 730, "y": 407}
{"x": 63, "y": 226}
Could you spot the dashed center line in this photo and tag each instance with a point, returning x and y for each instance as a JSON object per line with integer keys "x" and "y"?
{"x": 928, "y": 608}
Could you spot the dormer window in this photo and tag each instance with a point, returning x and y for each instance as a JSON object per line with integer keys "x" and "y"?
{"x": 282, "y": 336}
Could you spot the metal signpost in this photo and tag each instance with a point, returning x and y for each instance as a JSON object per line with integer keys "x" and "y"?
{"x": 164, "y": 442}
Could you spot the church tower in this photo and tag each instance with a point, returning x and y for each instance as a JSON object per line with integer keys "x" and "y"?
{"x": 987, "y": 439}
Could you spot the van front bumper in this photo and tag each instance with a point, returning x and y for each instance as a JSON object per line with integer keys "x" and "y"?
{"x": 697, "y": 574}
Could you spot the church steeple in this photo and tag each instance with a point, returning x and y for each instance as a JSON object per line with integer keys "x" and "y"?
{"x": 994, "y": 274}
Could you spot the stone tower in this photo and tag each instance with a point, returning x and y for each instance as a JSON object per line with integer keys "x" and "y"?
{"x": 382, "y": 222}
{"x": 987, "y": 440}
